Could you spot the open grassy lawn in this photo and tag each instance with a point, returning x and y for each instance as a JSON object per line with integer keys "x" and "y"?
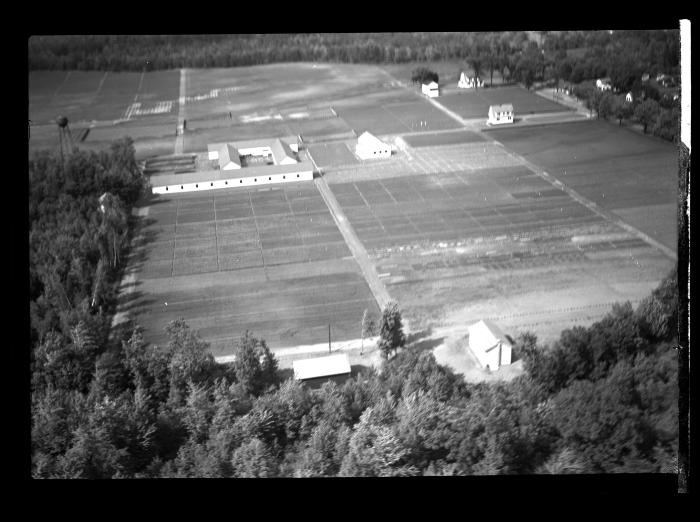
{"x": 634, "y": 176}
{"x": 270, "y": 260}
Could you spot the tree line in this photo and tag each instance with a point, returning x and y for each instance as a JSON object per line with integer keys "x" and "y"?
{"x": 572, "y": 56}
{"x": 655, "y": 112}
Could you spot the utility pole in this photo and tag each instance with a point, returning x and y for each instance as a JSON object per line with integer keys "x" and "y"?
{"x": 329, "y": 337}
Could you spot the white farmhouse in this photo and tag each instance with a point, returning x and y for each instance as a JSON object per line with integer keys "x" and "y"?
{"x": 467, "y": 82}
{"x": 369, "y": 147}
{"x": 603, "y": 84}
{"x": 490, "y": 346}
{"x": 431, "y": 90}
{"x": 499, "y": 114}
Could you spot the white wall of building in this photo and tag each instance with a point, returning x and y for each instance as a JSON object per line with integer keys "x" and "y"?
{"x": 234, "y": 182}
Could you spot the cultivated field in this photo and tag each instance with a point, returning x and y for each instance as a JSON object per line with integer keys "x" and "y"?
{"x": 457, "y": 228}
{"x": 456, "y": 238}
{"x": 475, "y": 103}
{"x": 634, "y": 176}
{"x": 268, "y": 260}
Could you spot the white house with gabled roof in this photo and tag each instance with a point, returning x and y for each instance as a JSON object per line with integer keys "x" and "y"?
{"x": 499, "y": 114}
{"x": 490, "y": 346}
{"x": 370, "y": 147}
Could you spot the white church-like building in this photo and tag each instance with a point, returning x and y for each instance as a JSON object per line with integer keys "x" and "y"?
{"x": 467, "y": 82}
{"x": 500, "y": 114}
{"x": 370, "y": 147}
{"x": 490, "y": 346}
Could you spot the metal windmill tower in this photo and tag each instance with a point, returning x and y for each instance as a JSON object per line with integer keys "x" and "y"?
{"x": 65, "y": 138}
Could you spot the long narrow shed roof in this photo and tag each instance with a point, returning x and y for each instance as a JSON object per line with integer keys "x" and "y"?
{"x": 327, "y": 366}
{"x": 159, "y": 180}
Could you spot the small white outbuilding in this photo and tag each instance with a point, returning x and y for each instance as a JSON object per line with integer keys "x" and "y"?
{"x": 499, "y": 114}
{"x": 629, "y": 98}
{"x": 370, "y": 147}
{"x": 320, "y": 369}
{"x": 490, "y": 346}
{"x": 431, "y": 90}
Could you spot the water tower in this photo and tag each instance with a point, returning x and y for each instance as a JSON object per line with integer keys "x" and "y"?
{"x": 65, "y": 139}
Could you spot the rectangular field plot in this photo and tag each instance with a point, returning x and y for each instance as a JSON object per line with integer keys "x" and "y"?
{"x": 616, "y": 168}
{"x": 442, "y": 138}
{"x": 411, "y": 114}
{"x": 376, "y": 120}
{"x": 475, "y": 104}
{"x": 332, "y": 154}
{"x": 282, "y": 275}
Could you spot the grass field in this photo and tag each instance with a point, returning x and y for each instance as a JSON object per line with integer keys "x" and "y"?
{"x": 630, "y": 174}
{"x": 270, "y": 260}
{"x": 475, "y": 103}
{"x": 442, "y": 138}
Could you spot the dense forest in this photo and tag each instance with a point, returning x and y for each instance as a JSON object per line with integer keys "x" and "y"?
{"x": 600, "y": 399}
{"x": 570, "y": 55}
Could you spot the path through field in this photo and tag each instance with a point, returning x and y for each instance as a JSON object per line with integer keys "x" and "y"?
{"x": 180, "y": 140}
{"x": 354, "y": 244}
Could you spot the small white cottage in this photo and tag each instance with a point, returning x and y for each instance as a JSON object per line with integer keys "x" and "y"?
{"x": 431, "y": 90}
{"x": 490, "y": 346}
{"x": 499, "y": 114}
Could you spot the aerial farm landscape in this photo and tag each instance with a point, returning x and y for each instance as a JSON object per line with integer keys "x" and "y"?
{"x": 294, "y": 200}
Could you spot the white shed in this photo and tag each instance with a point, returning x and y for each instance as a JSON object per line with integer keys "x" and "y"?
{"x": 499, "y": 114}
{"x": 369, "y": 147}
{"x": 431, "y": 90}
{"x": 321, "y": 367}
{"x": 629, "y": 98}
{"x": 490, "y": 346}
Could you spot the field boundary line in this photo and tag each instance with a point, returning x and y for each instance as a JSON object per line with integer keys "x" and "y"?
{"x": 99, "y": 87}
{"x": 180, "y": 139}
{"x": 257, "y": 231}
{"x": 358, "y": 250}
{"x": 55, "y": 93}
{"x": 216, "y": 235}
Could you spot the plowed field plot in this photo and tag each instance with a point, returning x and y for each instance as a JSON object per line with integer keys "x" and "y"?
{"x": 457, "y": 245}
{"x": 475, "y": 104}
{"x": 442, "y": 138}
{"x": 634, "y": 176}
{"x": 269, "y": 260}
{"x": 332, "y": 155}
